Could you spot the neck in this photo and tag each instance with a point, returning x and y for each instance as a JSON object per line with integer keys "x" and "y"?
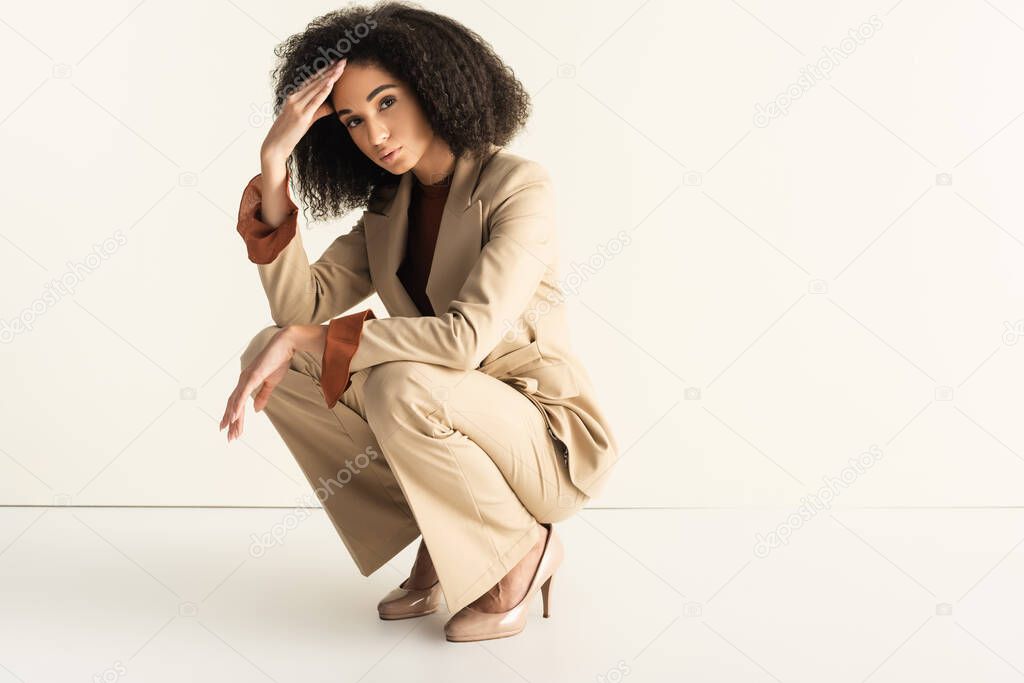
{"x": 436, "y": 164}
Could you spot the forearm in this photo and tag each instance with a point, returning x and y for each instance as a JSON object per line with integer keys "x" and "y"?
{"x": 273, "y": 179}
{"x": 448, "y": 340}
{"x": 300, "y": 293}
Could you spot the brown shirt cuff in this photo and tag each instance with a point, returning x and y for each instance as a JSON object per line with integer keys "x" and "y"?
{"x": 262, "y": 241}
{"x": 342, "y": 341}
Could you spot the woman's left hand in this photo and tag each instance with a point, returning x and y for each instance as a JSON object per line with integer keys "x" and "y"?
{"x": 267, "y": 369}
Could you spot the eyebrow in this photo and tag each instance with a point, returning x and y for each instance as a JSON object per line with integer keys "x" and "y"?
{"x": 373, "y": 93}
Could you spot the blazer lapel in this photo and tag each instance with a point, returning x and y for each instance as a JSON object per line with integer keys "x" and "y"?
{"x": 385, "y": 244}
{"x": 460, "y": 236}
{"x": 459, "y": 240}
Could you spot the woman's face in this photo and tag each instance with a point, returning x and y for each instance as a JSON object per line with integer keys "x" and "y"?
{"x": 382, "y": 116}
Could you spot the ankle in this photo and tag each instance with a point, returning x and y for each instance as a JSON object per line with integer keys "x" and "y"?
{"x": 512, "y": 588}
{"x": 422, "y": 575}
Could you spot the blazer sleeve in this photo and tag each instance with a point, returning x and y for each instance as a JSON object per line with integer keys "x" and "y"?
{"x": 300, "y": 293}
{"x": 262, "y": 241}
{"x": 500, "y": 286}
{"x": 342, "y": 341}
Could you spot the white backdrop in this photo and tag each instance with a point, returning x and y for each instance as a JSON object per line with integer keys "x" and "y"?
{"x": 803, "y": 222}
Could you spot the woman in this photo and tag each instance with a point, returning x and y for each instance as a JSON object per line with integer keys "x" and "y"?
{"x": 485, "y": 419}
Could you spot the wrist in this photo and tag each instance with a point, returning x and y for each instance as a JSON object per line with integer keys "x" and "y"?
{"x": 308, "y": 338}
{"x": 272, "y": 158}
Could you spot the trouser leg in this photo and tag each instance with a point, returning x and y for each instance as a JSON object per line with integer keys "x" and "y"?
{"x": 415, "y": 448}
{"x": 475, "y": 462}
{"x": 342, "y": 461}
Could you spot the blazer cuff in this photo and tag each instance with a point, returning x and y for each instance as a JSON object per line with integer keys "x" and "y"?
{"x": 262, "y": 241}
{"x": 342, "y": 341}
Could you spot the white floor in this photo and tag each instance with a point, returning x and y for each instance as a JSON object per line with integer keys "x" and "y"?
{"x": 165, "y": 594}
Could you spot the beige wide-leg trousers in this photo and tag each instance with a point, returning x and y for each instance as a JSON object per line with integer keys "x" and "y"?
{"x": 414, "y": 448}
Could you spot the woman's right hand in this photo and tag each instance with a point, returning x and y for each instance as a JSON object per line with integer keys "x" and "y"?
{"x": 301, "y": 109}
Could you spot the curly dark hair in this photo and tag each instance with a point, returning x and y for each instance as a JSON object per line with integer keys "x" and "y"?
{"x": 470, "y": 97}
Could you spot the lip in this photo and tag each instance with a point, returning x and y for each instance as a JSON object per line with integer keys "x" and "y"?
{"x": 390, "y": 156}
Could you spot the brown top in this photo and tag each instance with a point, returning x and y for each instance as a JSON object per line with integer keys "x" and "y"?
{"x": 425, "y": 207}
{"x": 264, "y": 243}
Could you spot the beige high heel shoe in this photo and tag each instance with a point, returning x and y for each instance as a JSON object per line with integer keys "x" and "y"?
{"x": 403, "y": 603}
{"x": 470, "y": 624}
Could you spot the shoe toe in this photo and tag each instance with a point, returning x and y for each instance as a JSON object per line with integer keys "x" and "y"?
{"x": 471, "y": 624}
{"x": 400, "y": 603}
{"x": 463, "y": 624}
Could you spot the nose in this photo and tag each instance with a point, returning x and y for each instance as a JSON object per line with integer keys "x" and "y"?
{"x": 378, "y": 134}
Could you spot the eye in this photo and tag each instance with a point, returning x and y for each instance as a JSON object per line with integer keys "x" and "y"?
{"x": 390, "y": 99}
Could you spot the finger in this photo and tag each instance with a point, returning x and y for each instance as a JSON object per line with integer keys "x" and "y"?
{"x": 229, "y": 409}
{"x": 325, "y": 109}
{"x": 317, "y": 95}
{"x": 244, "y": 391}
{"x": 312, "y": 81}
{"x": 322, "y": 101}
{"x": 262, "y": 398}
{"x": 311, "y": 87}
{"x": 225, "y": 420}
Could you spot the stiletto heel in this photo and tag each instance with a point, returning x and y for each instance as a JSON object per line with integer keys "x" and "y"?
{"x": 544, "y": 592}
{"x": 469, "y": 623}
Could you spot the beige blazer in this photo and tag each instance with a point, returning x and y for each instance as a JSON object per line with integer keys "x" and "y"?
{"x": 493, "y": 280}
